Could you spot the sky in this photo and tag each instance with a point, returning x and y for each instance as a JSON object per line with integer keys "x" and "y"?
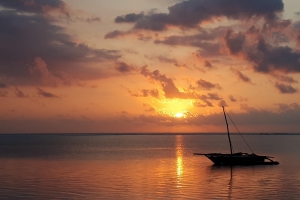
{"x": 149, "y": 66}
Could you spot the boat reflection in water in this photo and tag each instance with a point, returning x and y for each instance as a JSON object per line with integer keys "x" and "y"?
{"x": 237, "y": 158}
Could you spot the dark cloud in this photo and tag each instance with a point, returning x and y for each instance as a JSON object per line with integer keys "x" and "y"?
{"x": 167, "y": 84}
{"x": 197, "y": 40}
{"x": 242, "y": 76}
{"x": 234, "y": 42}
{"x": 129, "y": 18}
{"x": 267, "y": 120}
{"x": 154, "y": 22}
{"x": 203, "y": 103}
{"x": 25, "y": 36}
{"x": 222, "y": 103}
{"x": 232, "y": 99}
{"x": 296, "y": 25}
{"x": 124, "y": 67}
{"x": 143, "y": 37}
{"x": 205, "y": 100}
{"x": 212, "y": 96}
{"x": 205, "y": 40}
{"x": 154, "y": 93}
{"x": 253, "y": 30}
{"x": 117, "y": 34}
{"x": 285, "y": 89}
{"x": 2, "y": 85}
{"x": 264, "y": 117}
{"x": 207, "y": 85}
{"x": 36, "y": 6}
{"x": 46, "y": 94}
{"x": 208, "y": 65}
{"x": 193, "y": 12}
{"x": 146, "y": 93}
{"x": 114, "y": 34}
{"x": 167, "y": 60}
{"x": 19, "y": 93}
{"x": 287, "y": 107}
{"x": 93, "y": 19}
{"x": 267, "y": 58}
{"x": 277, "y": 24}
{"x": 149, "y": 108}
{"x": 284, "y": 78}
{"x": 193, "y": 40}
{"x": 39, "y": 71}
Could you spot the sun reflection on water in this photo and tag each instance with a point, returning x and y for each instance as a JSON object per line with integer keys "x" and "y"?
{"x": 179, "y": 163}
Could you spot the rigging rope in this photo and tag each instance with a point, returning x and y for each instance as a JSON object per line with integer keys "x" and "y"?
{"x": 238, "y": 131}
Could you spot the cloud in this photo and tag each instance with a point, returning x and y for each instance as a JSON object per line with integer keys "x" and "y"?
{"x": 212, "y": 96}
{"x": 232, "y": 99}
{"x": 222, "y": 103}
{"x": 129, "y": 18}
{"x": 124, "y": 68}
{"x": 39, "y": 70}
{"x": 267, "y": 120}
{"x": 167, "y": 84}
{"x": 43, "y": 93}
{"x": 267, "y": 58}
{"x": 234, "y": 42}
{"x": 154, "y": 93}
{"x": 282, "y": 120}
{"x": 285, "y": 89}
{"x": 203, "y": 103}
{"x": 19, "y": 93}
{"x": 93, "y": 19}
{"x": 34, "y": 6}
{"x": 194, "y": 12}
{"x": 167, "y": 60}
{"x": 242, "y": 76}
{"x": 149, "y": 108}
{"x": 114, "y": 34}
{"x": 207, "y": 85}
{"x": 146, "y": 93}
{"x": 208, "y": 65}
{"x": 205, "y": 100}
{"x": 2, "y": 85}
{"x": 26, "y": 33}
{"x": 173, "y": 61}
{"x": 283, "y": 78}
{"x": 205, "y": 40}
{"x": 208, "y": 35}
{"x": 143, "y": 37}
{"x": 286, "y": 107}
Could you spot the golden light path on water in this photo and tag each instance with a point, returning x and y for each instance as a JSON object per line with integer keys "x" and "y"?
{"x": 179, "y": 159}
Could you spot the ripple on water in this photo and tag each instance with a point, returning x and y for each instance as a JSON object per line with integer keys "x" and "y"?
{"x": 142, "y": 168}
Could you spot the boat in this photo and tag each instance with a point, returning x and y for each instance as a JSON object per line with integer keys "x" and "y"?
{"x": 240, "y": 158}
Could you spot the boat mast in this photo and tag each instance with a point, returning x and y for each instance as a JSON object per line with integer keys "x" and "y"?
{"x": 227, "y": 130}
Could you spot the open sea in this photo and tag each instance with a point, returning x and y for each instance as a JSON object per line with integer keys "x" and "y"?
{"x": 144, "y": 167}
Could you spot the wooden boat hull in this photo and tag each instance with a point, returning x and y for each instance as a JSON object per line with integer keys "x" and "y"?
{"x": 239, "y": 159}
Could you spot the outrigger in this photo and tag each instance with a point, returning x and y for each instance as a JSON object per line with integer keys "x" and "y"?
{"x": 237, "y": 158}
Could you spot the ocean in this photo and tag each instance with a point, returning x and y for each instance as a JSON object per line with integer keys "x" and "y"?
{"x": 160, "y": 166}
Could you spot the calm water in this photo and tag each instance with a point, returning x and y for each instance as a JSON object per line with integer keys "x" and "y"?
{"x": 144, "y": 167}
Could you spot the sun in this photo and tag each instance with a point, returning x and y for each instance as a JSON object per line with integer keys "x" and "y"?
{"x": 179, "y": 115}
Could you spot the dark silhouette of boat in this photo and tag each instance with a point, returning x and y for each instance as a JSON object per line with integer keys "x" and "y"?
{"x": 237, "y": 158}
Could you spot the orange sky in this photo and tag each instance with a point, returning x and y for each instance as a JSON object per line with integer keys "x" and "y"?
{"x": 73, "y": 66}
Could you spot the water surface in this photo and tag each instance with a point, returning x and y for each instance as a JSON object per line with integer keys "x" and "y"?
{"x": 144, "y": 167}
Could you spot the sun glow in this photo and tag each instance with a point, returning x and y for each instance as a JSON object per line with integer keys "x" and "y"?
{"x": 179, "y": 115}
